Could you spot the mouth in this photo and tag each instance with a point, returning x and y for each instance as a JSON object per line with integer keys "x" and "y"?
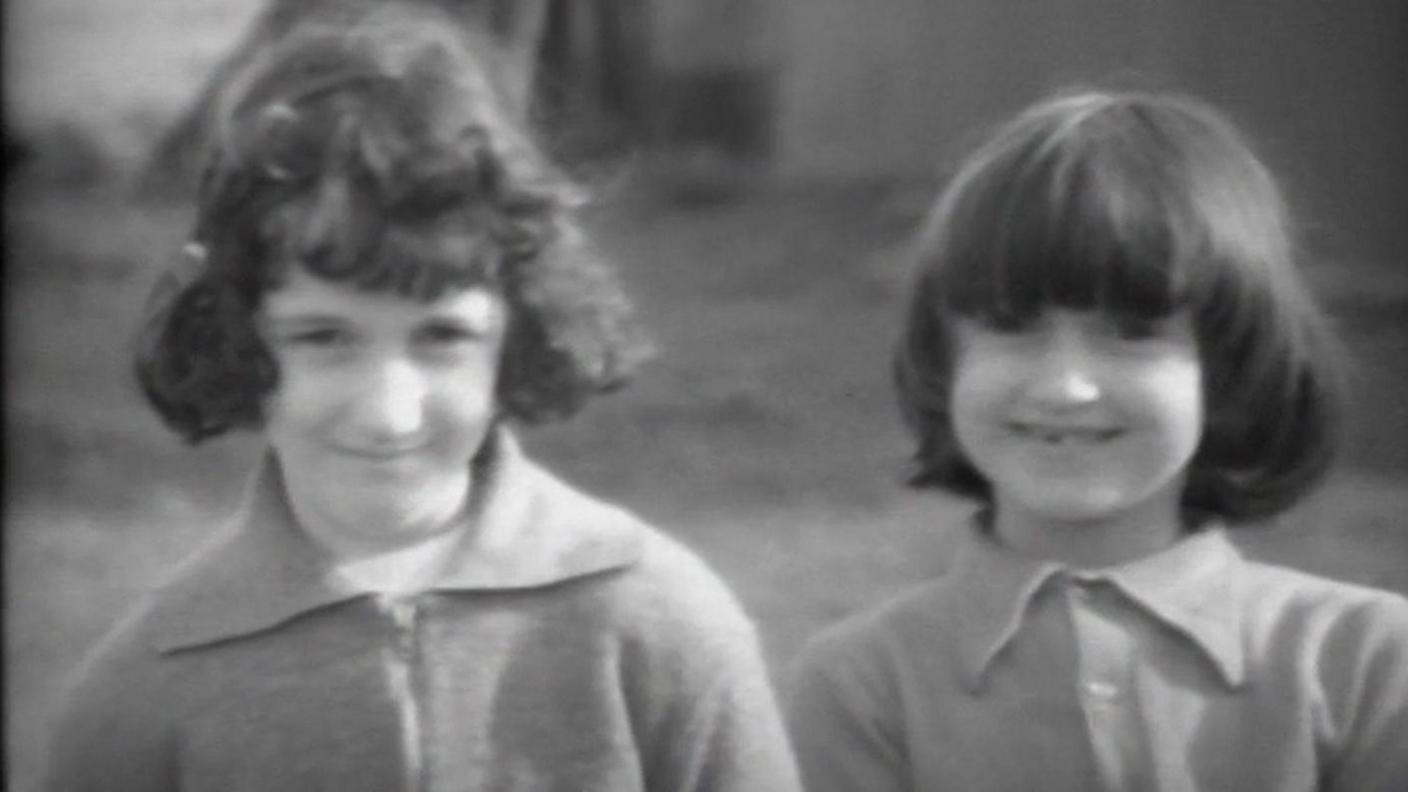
{"x": 1064, "y": 435}
{"x": 379, "y": 455}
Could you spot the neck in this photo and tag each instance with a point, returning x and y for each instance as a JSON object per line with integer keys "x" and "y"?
{"x": 1089, "y": 544}
{"x": 349, "y": 531}
{"x": 399, "y": 572}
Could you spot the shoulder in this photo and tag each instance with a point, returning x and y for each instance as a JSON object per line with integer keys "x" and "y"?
{"x": 129, "y": 655}
{"x": 122, "y": 656}
{"x": 1276, "y": 595}
{"x": 637, "y": 574}
{"x": 846, "y": 691}
{"x": 694, "y": 675}
{"x": 869, "y": 650}
{"x": 1344, "y": 648}
{"x": 127, "y": 663}
{"x": 1341, "y": 633}
{"x": 917, "y": 613}
{"x": 115, "y": 721}
{"x": 691, "y": 662}
{"x": 130, "y": 649}
{"x": 672, "y": 594}
{"x": 675, "y": 627}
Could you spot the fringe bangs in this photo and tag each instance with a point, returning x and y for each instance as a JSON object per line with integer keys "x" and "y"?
{"x": 1071, "y": 227}
{"x": 342, "y": 236}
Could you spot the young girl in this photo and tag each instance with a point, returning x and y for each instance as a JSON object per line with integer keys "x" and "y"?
{"x": 1109, "y": 349}
{"x": 384, "y": 276}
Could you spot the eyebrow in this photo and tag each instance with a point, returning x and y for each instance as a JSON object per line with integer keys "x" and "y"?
{"x": 297, "y": 317}
{"x": 479, "y": 324}
{"x": 479, "y": 315}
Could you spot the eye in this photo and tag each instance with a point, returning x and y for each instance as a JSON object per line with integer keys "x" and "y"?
{"x": 447, "y": 334}
{"x": 318, "y": 337}
{"x": 1135, "y": 328}
{"x": 1005, "y": 320}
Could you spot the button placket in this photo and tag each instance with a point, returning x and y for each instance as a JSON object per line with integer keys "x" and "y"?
{"x": 1101, "y": 692}
{"x": 1103, "y": 665}
{"x": 1105, "y": 656}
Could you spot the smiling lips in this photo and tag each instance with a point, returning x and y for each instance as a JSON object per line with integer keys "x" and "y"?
{"x": 1064, "y": 435}
{"x": 382, "y": 455}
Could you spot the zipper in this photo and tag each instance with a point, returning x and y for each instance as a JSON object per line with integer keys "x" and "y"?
{"x": 402, "y": 661}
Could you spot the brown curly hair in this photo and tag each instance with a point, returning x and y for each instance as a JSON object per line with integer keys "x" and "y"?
{"x": 379, "y": 155}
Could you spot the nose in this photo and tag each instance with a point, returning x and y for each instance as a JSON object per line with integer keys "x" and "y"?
{"x": 389, "y": 403}
{"x": 1066, "y": 372}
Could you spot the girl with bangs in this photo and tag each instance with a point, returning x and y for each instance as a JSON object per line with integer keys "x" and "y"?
{"x": 1109, "y": 349}
{"x": 385, "y": 275}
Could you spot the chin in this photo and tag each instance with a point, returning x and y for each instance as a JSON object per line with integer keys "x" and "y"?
{"x": 1077, "y": 509}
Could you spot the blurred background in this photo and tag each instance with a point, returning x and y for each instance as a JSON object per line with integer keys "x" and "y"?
{"x": 760, "y": 166}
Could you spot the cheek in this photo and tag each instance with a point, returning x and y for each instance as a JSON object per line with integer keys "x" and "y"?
{"x": 296, "y": 399}
{"x": 979, "y": 383}
{"x": 977, "y": 392}
{"x": 466, "y": 397}
{"x": 305, "y": 398}
{"x": 1177, "y": 393}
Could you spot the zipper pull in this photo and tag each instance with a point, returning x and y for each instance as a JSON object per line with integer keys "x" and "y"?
{"x": 403, "y": 613}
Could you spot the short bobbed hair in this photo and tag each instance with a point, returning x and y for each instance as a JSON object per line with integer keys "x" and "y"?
{"x": 1142, "y": 205}
{"x": 378, "y": 154}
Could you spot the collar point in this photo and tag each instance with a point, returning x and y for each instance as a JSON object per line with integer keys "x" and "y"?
{"x": 1234, "y": 676}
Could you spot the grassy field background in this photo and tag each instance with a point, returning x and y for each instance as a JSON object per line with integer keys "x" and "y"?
{"x": 764, "y": 434}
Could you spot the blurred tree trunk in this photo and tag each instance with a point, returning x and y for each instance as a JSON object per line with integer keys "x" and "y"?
{"x": 595, "y": 84}
{"x": 517, "y": 26}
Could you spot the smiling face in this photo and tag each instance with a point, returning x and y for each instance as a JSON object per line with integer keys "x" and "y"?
{"x": 1079, "y": 419}
{"x": 382, "y": 402}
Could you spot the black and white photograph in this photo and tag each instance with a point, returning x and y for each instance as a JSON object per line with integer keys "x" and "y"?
{"x": 706, "y": 395}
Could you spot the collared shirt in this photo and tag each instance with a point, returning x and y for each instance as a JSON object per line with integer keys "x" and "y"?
{"x": 1194, "y": 669}
{"x": 564, "y": 645}
{"x": 403, "y": 571}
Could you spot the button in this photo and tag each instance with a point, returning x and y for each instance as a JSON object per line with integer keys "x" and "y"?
{"x": 1103, "y": 692}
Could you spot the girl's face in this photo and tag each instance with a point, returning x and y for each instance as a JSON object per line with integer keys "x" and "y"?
{"x": 1080, "y": 419}
{"x": 382, "y": 401}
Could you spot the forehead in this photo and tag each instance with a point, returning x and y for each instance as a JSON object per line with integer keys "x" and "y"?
{"x": 302, "y": 296}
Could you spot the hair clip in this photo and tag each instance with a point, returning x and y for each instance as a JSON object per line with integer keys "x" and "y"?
{"x": 195, "y": 252}
{"x": 188, "y": 268}
{"x": 191, "y": 264}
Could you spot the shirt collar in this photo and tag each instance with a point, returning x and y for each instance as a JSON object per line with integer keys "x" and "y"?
{"x": 531, "y": 530}
{"x": 1191, "y": 587}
